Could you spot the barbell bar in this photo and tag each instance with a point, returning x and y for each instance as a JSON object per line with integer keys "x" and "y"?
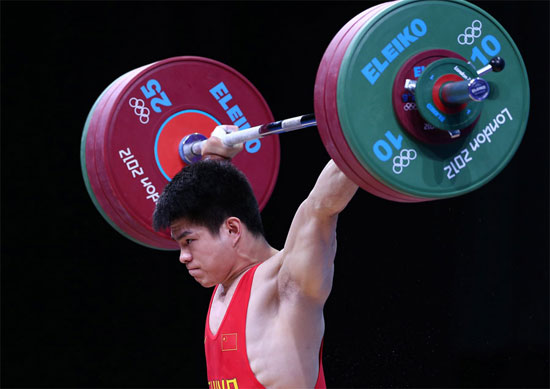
{"x": 190, "y": 148}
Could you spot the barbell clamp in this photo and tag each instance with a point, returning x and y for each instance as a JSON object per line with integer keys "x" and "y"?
{"x": 496, "y": 65}
{"x": 186, "y": 148}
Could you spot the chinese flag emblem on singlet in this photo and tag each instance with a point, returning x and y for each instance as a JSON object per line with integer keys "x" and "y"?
{"x": 229, "y": 342}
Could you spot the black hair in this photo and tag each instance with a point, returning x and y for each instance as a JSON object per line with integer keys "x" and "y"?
{"x": 206, "y": 193}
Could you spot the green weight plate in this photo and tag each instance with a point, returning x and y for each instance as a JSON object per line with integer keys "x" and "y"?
{"x": 431, "y": 107}
{"x": 371, "y": 127}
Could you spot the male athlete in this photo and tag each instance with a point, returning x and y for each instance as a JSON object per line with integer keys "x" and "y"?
{"x": 265, "y": 323}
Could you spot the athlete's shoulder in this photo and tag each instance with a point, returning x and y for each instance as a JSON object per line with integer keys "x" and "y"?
{"x": 269, "y": 269}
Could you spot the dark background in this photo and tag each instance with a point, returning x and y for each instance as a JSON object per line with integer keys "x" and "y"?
{"x": 451, "y": 293}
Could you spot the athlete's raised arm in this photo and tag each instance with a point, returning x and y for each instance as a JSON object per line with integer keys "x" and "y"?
{"x": 310, "y": 247}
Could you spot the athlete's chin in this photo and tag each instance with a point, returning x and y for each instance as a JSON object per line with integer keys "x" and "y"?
{"x": 205, "y": 283}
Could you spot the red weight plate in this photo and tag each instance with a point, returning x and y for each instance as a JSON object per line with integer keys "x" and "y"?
{"x": 115, "y": 208}
{"x": 108, "y": 205}
{"x": 86, "y": 159}
{"x": 320, "y": 114}
{"x": 326, "y": 109}
{"x": 160, "y": 104}
{"x": 319, "y": 98}
{"x": 327, "y": 132}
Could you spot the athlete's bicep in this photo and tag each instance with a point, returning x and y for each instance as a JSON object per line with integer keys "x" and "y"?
{"x": 308, "y": 255}
{"x": 310, "y": 248}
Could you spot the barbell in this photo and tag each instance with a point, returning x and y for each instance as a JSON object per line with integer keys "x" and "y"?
{"x": 450, "y": 94}
{"x": 407, "y": 101}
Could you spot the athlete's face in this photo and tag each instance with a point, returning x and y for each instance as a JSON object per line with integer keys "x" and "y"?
{"x": 206, "y": 256}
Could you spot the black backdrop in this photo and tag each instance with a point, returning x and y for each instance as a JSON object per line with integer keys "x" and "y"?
{"x": 442, "y": 294}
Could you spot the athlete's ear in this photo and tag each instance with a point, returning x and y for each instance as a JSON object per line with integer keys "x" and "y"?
{"x": 233, "y": 227}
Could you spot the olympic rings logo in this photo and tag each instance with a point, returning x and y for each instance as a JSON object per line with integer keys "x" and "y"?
{"x": 140, "y": 109}
{"x": 410, "y": 107}
{"x": 470, "y": 33}
{"x": 403, "y": 160}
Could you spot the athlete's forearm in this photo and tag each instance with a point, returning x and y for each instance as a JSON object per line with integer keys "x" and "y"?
{"x": 332, "y": 191}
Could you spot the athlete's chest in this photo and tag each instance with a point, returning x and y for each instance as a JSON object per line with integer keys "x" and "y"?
{"x": 218, "y": 311}
{"x": 269, "y": 332}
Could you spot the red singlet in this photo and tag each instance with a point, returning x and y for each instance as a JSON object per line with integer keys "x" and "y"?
{"x": 226, "y": 358}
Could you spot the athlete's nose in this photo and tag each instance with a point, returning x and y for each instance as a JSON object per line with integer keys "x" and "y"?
{"x": 185, "y": 256}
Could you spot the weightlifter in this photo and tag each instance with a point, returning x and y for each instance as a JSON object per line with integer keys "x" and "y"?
{"x": 265, "y": 322}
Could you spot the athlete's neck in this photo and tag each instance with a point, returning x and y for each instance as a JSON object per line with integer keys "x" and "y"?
{"x": 249, "y": 252}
